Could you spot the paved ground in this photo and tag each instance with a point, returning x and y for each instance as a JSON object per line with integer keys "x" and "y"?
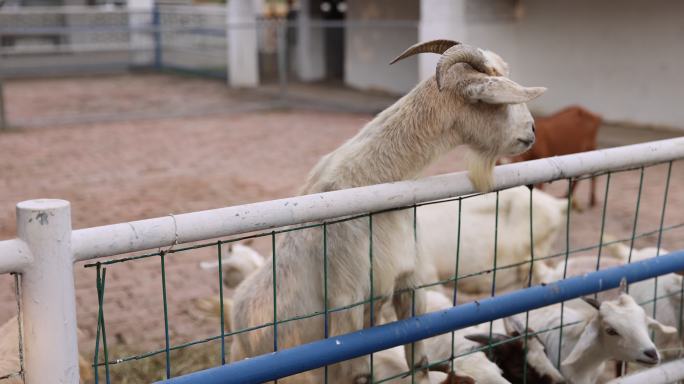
{"x": 148, "y": 161}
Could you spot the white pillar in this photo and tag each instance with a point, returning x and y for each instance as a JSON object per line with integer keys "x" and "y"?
{"x": 243, "y": 60}
{"x": 310, "y": 55}
{"x": 48, "y": 301}
{"x": 440, "y": 19}
{"x": 140, "y": 16}
{"x": 3, "y": 121}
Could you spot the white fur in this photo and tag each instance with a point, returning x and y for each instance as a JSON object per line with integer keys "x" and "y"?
{"x": 396, "y": 145}
{"x": 668, "y": 306}
{"x": 438, "y": 229}
{"x": 588, "y": 344}
{"x": 240, "y": 261}
{"x": 9, "y": 355}
{"x": 9, "y": 351}
{"x": 391, "y": 362}
{"x": 477, "y": 365}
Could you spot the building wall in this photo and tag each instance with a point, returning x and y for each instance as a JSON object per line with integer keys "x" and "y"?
{"x": 369, "y": 49}
{"x": 620, "y": 61}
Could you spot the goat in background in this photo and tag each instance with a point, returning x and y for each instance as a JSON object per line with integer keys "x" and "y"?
{"x": 469, "y": 101}
{"x": 571, "y": 130}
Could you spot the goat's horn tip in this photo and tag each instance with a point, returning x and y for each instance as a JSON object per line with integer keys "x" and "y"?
{"x": 438, "y": 81}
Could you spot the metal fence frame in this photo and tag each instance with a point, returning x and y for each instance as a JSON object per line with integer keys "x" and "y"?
{"x": 335, "y": 349}
{"x": 47, "y": 247}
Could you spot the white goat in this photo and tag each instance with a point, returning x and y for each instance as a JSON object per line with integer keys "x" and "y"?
{"x": 476, "y": 364}
{"x": 471, "y": 102}
{"x": 391, "y": 362}
{"x": 576, "y": 266}
{"x": 240, "y": 262}
{"x": 614, "y": 329}
{"x": 667, "y": 290}
{"x": 438, "y": 229}
{"x": 512, "y": 353}
{"x": 211, "y": 306}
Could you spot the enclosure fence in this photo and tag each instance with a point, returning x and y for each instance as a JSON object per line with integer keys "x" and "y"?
{"x": 290, "y": 62}
{"x": 74, "y": 39}
{"x": 44, "y": 253}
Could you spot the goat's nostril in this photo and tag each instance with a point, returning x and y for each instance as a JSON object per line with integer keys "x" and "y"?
{"x": 533, "y": 130}
{"x": 652, "y": 354}
{"x": 527, "y": 143}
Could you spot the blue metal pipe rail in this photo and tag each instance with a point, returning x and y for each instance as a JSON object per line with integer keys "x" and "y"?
{"x": 335, "y": 349}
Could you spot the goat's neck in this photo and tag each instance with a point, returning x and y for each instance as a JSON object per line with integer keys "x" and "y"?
{"x": 398, "y": 144}
{"x": 588, "y": 366}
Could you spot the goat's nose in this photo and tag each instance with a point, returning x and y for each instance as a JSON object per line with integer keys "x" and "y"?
{"x": 526, "y": 142}
{"x": 652, "y": 354}
{"x": 533, "y": 130}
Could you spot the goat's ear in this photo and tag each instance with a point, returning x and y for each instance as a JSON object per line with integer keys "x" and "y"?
{"x": 500, "y": 90}
{"x": 588, "y": 337}
{"x": 483, "y": 338}
{"x": 623, "y": 285}
{"x": 660, "y": 327}
{"x": 512, "y": 324}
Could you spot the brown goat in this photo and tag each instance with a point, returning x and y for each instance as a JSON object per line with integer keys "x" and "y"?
{"x": 568, "y": 131}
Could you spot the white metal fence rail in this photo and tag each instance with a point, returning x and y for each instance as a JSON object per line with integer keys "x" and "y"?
{"x": 46, "y": 246}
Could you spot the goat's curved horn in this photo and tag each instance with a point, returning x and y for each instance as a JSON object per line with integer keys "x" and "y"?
{"x": 432, "y": 46}
{"x": 462, "y": 53}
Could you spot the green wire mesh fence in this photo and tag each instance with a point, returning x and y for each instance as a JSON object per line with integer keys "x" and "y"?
{"x": 103, "y": 360}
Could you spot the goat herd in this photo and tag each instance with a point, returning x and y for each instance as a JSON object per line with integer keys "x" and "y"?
{"x": 470, "y": 101}
{"x": 594, "y": 332}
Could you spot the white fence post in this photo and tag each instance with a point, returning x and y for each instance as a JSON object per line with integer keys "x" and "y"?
{"x": 3, "y": 122}
{"x": 48, "y": 300}
{"x": 140, "y": 15}
{"x": 310, "y": 62}
{"x": 241, "y": 30}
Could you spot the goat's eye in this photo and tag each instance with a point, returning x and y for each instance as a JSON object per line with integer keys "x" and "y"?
{"x": 612, "y": 332}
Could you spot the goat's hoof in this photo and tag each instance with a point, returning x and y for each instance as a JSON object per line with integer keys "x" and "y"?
{"x": 577, "y": 207}
{"x": 363, "y": 379}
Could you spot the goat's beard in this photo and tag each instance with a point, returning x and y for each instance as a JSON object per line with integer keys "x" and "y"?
{"x": 481, "y": 170}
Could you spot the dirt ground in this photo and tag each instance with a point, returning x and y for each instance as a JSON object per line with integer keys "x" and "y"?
{"x": 150, "y": 165}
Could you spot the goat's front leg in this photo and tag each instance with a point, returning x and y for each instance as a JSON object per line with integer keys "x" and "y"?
{"x": 354, "y": 371}
{"x": 405, "y": 306}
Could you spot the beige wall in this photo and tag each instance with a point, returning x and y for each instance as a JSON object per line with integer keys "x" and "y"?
{"x": 369, "y": 49}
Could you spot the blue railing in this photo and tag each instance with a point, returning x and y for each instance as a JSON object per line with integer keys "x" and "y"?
{"x": 329, "y": 351}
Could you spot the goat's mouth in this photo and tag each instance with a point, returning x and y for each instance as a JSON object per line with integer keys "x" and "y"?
{"x": 648, "y": 362}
